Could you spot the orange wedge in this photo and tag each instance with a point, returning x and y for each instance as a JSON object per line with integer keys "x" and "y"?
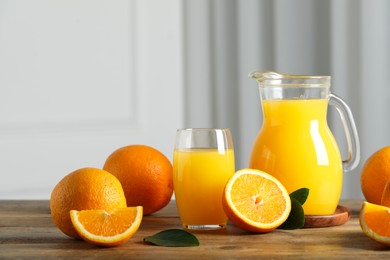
{"x": 375, "y": 222}
{"x": 256, "y": 201}
{"x": 107, "y": 229}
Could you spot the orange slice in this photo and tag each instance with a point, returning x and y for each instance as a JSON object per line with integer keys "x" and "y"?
{"x": 256, "y": 201}
{"x": 375, "y": 222}
{"x": 107, "y": 229}
{"x": 385, "y": 200}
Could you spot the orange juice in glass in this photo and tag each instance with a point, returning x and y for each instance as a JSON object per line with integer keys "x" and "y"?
{"x": 295, "y": 143}
{"x": 203, "y": 162}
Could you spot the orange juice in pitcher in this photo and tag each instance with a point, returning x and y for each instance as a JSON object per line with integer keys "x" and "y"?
{"x": 295, "y": 143}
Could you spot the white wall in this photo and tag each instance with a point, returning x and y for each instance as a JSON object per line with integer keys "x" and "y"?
{"x": 80, "y": 79}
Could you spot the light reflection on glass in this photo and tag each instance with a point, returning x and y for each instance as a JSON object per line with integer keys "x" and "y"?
{"x": 322, "y": 155}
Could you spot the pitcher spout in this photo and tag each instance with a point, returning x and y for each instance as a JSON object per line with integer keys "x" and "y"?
{"x": 261, "y": 76}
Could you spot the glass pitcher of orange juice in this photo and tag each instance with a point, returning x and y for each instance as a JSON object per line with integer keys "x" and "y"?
{"x": 295, "y": 143}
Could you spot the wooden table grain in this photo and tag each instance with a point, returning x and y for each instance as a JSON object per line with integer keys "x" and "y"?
{"x": 27, "y": 232}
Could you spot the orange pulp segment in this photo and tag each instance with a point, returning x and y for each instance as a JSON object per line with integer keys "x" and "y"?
{"x": 107, "y": 229}
{"x": 256, "y": 201}
{"x": 375, "y": 222}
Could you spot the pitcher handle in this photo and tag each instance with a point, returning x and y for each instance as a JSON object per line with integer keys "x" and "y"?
{"x": 350, "y": 130}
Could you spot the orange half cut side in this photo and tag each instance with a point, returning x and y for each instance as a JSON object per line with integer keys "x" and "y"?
{"x": 256, "y": 201}
{"x": 107, "y": 229}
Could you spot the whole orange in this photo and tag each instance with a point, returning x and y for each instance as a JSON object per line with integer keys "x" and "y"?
{"x": 375, "y": 174}
{"x": 86, "y": 188}
{"x": 146, "y": 176}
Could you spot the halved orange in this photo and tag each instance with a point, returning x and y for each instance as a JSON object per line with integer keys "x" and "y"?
{"x": 375, "y": 222}
{"x": 101, "y": 228}
{"x": 256, "y": 201}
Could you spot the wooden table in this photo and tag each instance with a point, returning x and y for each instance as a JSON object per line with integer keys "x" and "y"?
{"x": 27, "y": 231}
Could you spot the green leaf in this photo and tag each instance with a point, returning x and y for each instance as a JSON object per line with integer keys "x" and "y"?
{"x": 296, "y": 219}
{"x": 173, "y": 238}
{"x": 300, "y": 195}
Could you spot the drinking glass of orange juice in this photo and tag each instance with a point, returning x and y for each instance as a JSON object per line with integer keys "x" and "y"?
{"x": 203, "y": 162}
